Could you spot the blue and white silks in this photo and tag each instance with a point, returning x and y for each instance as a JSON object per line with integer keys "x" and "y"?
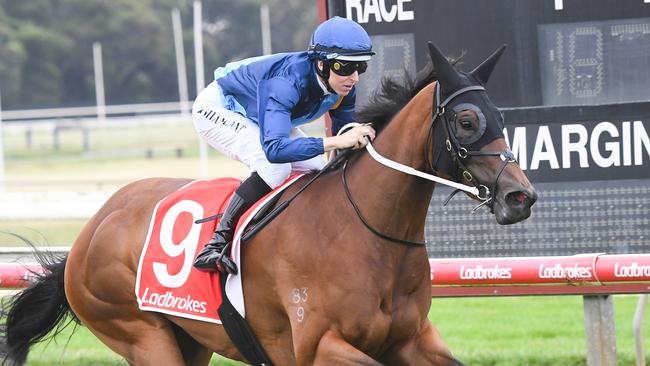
{"x": 280, "y": 92}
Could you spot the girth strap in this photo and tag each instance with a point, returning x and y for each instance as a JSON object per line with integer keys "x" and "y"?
{"x": 240, "y": 332}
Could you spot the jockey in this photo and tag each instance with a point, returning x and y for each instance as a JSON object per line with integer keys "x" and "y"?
{"x": 252, "y": 110}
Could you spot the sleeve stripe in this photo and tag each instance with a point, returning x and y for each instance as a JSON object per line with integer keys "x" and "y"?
{"x": 336, "y": 105}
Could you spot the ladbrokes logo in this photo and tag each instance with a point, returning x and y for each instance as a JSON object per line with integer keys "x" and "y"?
{"x": 633, "y": 270}
{"x": 490, "y": 273}
{"x": 557, "y": 271}
{"x": 168, "y": 300}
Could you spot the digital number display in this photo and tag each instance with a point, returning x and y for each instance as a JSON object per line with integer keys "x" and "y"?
{"x": 395, "y": 53}
{"x": 591, "y": 63}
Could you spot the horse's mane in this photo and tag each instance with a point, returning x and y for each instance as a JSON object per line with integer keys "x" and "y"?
{"x": 393, "y": 94}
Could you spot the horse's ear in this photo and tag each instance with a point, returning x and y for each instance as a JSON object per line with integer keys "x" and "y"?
{"x": 447, "y": 75}
{"x": 483, "y": 71}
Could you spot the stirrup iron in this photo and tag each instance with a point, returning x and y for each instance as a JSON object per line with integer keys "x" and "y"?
{"x": 225, "y": 264}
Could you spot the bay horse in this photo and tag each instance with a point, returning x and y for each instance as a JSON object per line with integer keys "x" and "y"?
{"x": 364, "y": 289}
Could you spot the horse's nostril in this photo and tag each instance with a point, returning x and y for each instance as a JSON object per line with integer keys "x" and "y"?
{"x": 517, "y": 198}
{"x": 521, "y": 197}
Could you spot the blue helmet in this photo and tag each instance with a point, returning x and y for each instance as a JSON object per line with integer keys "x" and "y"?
{"x": 341, "y": 39}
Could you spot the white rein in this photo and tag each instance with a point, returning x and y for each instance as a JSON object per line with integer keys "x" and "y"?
{"x": 407, "y": 169}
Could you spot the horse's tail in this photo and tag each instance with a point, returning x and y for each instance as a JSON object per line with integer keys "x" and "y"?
{"x": 33, "y": 313}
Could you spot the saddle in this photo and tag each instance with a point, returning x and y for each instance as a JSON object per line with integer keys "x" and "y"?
{"x": 166, "y": 282}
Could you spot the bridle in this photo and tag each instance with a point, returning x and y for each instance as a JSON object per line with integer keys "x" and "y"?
{"x": 458, "y": 154}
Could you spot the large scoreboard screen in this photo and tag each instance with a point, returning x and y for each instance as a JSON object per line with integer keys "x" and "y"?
{"x": 569, "y": 52}
{"x": 574, "y": 87}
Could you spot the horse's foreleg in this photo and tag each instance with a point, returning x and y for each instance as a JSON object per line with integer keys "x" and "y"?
{"x": 426, "y": 348}
{"x": 333, "y": 350}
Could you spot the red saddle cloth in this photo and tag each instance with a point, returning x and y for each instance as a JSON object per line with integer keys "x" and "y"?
{"x": 166, "y": 280}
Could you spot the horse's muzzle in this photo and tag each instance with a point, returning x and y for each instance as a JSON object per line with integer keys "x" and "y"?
{"x": 512, "y": 207}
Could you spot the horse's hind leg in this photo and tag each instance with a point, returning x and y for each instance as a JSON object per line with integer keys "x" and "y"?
{"x": 146, "y": 342}
{"x": 142, "y": 338}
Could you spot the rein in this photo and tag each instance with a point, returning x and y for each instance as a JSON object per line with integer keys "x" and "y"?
{"x": 365, "y": 222}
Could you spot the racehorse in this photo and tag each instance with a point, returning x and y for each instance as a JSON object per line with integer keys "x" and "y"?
{"x": 350, "y": 249}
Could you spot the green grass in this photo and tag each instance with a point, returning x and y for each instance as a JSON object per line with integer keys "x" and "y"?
{"x": 536, "y": 330}
{"x": 82, "y": 348}
{"x": 515, "y": 331}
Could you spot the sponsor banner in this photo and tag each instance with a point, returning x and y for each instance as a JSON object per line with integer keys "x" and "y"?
{"x": 16, "y": 275}
{"x": 579, "y": 269}
{"x": 624, "y": 268}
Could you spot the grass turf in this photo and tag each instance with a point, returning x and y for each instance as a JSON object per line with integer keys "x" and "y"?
{"x": 517, "y": 331}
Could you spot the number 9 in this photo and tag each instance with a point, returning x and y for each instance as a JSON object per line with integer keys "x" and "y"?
{"x": 186, "y": 247}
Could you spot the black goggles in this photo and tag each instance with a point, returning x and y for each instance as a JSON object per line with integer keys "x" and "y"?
{"x": 348, "y": 68}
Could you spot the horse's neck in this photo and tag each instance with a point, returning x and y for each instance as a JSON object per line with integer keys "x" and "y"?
{"x": 398, "y": 202}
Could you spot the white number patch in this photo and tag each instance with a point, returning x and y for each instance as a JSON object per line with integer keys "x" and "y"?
{"x": 299, "y": 296}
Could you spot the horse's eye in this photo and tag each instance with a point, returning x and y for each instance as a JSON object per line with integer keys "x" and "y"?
{"x": 466, "y": 123}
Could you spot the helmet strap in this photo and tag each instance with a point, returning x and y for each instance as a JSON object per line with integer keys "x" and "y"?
{"x": 324, "y": 74}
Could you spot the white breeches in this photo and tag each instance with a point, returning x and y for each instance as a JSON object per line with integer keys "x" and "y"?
{"x": 238, "y": 138}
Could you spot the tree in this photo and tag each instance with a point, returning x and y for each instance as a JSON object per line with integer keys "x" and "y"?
{"x": 46, "y": 46}
{"x": 12, "y": 56}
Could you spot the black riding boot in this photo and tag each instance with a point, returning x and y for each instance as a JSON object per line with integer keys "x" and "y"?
{"x": 215, "y": 256}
